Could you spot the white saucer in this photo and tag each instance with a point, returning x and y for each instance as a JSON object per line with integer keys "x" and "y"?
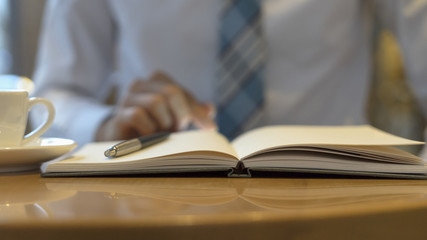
{"x": 30, "y": 156}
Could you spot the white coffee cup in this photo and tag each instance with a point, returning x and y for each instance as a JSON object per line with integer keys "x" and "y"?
{"x": 14, "y": 109}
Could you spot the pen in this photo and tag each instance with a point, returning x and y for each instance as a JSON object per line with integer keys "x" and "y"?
{"x": 133, "y": 145}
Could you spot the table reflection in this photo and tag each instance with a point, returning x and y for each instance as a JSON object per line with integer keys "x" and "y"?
{"x": 22, "y": 196}
{"x": 29, "y": 196}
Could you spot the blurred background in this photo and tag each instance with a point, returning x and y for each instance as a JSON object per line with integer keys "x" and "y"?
{"x": 19, "y": 27}
{"x": 391, "y": 105}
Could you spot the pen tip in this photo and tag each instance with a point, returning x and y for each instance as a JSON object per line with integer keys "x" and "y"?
{"x": 107, "y": 153}
{"x": 110, "y": 152}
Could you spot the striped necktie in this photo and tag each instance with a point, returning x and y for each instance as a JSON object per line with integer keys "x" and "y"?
{"x": 241, "y": 58}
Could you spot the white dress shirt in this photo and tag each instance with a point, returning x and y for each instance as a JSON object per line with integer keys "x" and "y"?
{"x": 318, "y": 69}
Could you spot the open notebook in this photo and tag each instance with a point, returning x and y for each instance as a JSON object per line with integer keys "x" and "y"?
{"x": 344, "y": 150}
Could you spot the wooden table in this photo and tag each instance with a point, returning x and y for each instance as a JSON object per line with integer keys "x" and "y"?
{"x": 211, "y": 208}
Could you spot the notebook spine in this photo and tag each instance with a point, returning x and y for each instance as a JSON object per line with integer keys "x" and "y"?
{"x": 240, "y": 171}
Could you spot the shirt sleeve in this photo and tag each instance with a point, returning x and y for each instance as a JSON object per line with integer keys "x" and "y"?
{"x": 408, "y": 21}
{"x": 74, "y": 65}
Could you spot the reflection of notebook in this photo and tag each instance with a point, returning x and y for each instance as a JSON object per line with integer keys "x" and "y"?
{"x": 320, "y": 193}
{"x": 278, "y": 194}
{"x": 348, "y": 150}
{"x": 196, "y": 191}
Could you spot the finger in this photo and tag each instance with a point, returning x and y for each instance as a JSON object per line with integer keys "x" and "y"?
{"x": 178, "y": 103}
{"x": 152, "y": 86}
{"x": 179, "y": 107}
{"x": 160, "y": 112}
{"x": 162, "y": 80}
{"x": 184, "y": 107}
{"x": 210, "y": 109}
{"x": 137, "y": 118}
{"x": 161, "y": 77}
{"x": 155, "y": 83}
{"x": 201, "y": 115}
{"x": 139, "y": 86}
{"x": 156, "y": 106}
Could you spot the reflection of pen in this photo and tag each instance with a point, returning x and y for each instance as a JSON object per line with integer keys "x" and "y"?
{"x": 133, "y": 145}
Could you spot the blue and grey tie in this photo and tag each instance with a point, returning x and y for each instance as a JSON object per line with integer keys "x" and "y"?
{"x": 242, "y": 55}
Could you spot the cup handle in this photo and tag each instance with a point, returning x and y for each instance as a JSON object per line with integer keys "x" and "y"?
{"x": 46, "y": 124}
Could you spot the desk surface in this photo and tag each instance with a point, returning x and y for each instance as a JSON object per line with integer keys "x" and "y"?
{"x": 179, "y": 208}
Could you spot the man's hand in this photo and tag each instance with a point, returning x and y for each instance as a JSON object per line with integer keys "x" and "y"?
{"x": 158, "y": 104}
